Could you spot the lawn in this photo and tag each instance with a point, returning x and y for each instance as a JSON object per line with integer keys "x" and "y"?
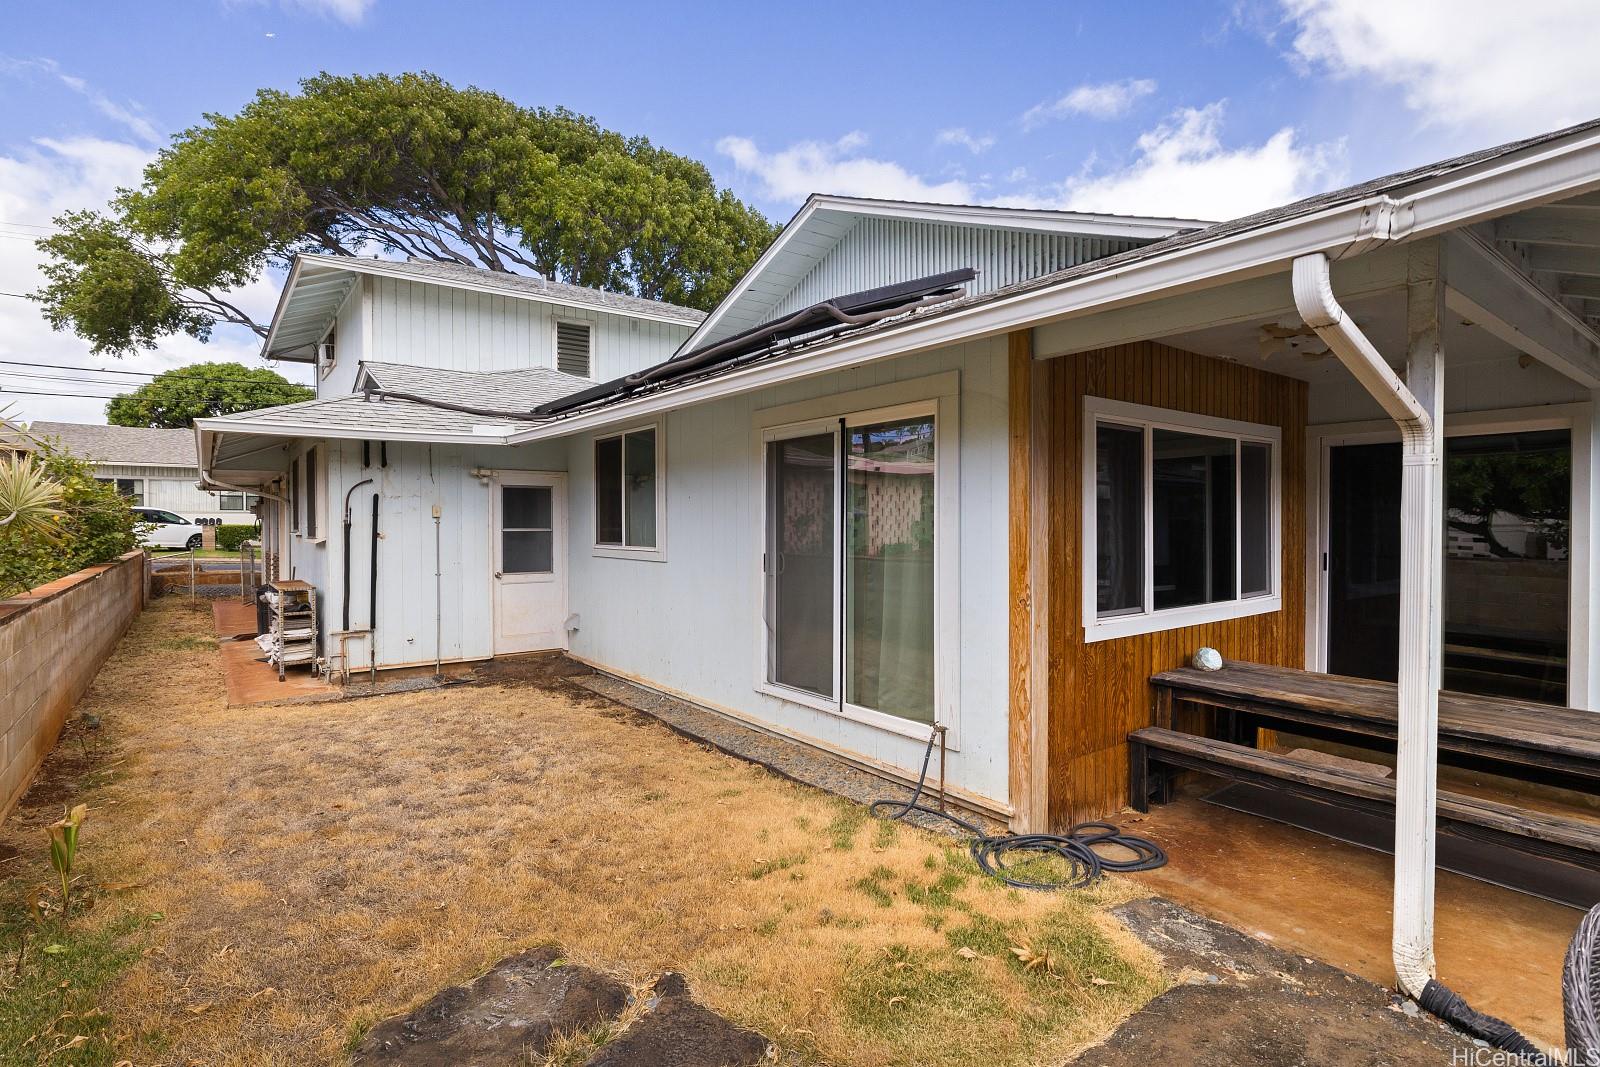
{"x": 300, "y": 872}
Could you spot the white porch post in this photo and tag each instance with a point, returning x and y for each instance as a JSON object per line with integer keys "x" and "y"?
{"x": 1415, "y": 405}
{"x": 1421, "y": 624}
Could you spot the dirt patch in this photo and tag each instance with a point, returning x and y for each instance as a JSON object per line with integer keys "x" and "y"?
{"x": 318, "y": 868}
{"x": 1249, "y": 1004}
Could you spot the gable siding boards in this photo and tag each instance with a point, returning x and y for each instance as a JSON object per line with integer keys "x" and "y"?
{"x": 879, "y": 251}
{"x": 457, "y": 329}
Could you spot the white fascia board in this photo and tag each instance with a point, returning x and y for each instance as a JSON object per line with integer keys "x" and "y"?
{"x": 791, "y": 228}
{"x": 1112, "y": 226}
{"x": 390, "y": 269}
{"x": 277, "y": 313}
{"x": 350, "y": 432}
{"x": 1552, "y": 171}
{"x": 1089, "y": 224}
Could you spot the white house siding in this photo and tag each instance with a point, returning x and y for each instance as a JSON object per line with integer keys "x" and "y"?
{"x": 880, "y": 251}
{"x": 417, "y": 477}
{"x": 350, "y": 341}
{"x": 175, "y": 489}
{"x": 437, "y": 326}
{"x": 690, "y": 624}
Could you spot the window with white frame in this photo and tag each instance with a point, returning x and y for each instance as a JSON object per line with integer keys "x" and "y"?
{"x": 628, "y": 491}
{"x": 310, "y": 490}
{"x": 236, "y": 501}
{"x": 574, "y": 348}
{"x": 1180, "y": 521}
{"x": 132, "y": 488}
{"x": 852, "y": 509}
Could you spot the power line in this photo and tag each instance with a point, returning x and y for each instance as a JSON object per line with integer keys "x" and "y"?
{"x": 138, "y": 373}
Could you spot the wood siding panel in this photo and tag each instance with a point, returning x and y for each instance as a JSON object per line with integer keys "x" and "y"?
{"x": 1099, "y": 692}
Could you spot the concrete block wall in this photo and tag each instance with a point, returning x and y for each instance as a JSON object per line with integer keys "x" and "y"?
{"x": 53, "y": 640}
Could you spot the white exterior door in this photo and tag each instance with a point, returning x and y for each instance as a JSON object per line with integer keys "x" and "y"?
{"x": 530, "y": 561}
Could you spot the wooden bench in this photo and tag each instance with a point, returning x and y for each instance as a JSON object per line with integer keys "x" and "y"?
{"x": 1538, "y": 742}
{"x": 1535, "y": 833}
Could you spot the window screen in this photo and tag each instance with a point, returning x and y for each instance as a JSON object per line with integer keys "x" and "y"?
{"x": 572, "y": 348}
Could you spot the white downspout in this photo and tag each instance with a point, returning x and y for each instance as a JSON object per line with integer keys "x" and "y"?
{"x": 1418, "y": 734}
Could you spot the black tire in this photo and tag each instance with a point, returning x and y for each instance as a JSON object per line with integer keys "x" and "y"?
{"x": 1580, "y": 986}
{"x": 194, "y": 543}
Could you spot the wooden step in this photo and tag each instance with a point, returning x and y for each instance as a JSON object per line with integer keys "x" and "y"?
{"x": 1539, "y": 833}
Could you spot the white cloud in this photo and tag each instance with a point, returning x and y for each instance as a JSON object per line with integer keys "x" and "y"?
{"x": 349, "y": 12}
{"x": 1107, "y": 100}
{"x": 1183, "y": 169}
{"x": 1504, "y": 70}
{"x": 37, "y": 183}
{"x": 958, "y": 136}
{"x": 130, "y": 116}
{"x": 793, "y": 173}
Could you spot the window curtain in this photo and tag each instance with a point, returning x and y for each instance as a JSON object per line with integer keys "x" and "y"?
{"x": 889, "y": 596}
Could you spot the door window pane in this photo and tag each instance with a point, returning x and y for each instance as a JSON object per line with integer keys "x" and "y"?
{"x": 527, "y": 537}
{"x": 799, "y": 561}
{"x": 1255, "y": 519}
{"x": 1119, "y": 519}
{"x": 526, "y": 507}
{"x": 1192, "y": 518}
{"x": 608, "y": 491}
{"x": 1506, "y": 570}
{"x": 889, "y": 574}
{"x": 639, "y": 451}
{"x": 527, "y": 552}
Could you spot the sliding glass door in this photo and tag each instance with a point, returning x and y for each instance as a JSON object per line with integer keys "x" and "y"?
{"x": 849, "y": 561}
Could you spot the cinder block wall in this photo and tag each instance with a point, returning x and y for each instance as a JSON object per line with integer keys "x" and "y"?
{"x": 52, "y": 641}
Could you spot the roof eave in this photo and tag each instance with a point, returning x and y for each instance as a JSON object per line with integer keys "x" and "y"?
{"x": 391, "y": 269}
{"x": 1544, "y": 172}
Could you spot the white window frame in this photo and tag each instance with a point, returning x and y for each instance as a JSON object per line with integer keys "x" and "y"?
{"x": 319, "y": 491}
{"x": 939, "y": 396}
{"x": 555, "y": 342}
{"x": 329, "y": 339}
{"x": 1098, "y": 411}
{"x": 658, "y": 553}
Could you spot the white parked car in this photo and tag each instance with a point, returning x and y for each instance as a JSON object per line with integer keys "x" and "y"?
{"x": 170, "y": 531}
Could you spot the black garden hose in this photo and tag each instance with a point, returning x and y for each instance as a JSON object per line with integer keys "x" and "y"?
{"x": 991, "y": 852}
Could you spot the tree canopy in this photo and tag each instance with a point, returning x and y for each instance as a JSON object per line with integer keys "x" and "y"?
{"x": 173, "y": 400}
{"x": 405, "y": 165}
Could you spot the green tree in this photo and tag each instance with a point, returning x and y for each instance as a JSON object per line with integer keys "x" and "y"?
{"x": 173, "y": 400}
{"x": 408, "y": 165}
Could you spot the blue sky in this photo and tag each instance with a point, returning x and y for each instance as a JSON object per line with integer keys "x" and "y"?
{"x": 1197, "y": 110}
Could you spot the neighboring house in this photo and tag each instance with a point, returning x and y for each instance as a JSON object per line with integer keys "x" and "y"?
{"x": 14, "y": 440}
{"x": 998, "y": 501}
{"x": 151, "y": 467}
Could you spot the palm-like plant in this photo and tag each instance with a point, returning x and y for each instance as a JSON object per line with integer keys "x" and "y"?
{"x": 28, "y": 496}
{"x": 28, "y": 499}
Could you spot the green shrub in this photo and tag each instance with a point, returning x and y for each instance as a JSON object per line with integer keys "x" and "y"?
{"x": 231, "y": 535}
{"x": 96, "y": 525}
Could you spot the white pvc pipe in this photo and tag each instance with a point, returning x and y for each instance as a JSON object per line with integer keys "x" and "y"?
{"x": 1416, "y": 782}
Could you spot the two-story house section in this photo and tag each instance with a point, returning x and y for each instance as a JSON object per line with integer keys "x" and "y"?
{"x": 339, "y": 313}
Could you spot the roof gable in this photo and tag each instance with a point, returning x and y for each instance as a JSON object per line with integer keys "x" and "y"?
{"x": 843, "y": 244}
{"x": 318, "y": 285}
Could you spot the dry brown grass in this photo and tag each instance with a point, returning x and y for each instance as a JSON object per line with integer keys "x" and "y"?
{"x": 323, "y": 866}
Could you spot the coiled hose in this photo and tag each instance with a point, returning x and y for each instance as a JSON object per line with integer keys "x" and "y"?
{"x": 993, "y": 853}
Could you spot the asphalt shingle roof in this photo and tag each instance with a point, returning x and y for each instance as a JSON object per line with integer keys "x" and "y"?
{"x": 511, "y": 390}
{"x": 122, "y": 444}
